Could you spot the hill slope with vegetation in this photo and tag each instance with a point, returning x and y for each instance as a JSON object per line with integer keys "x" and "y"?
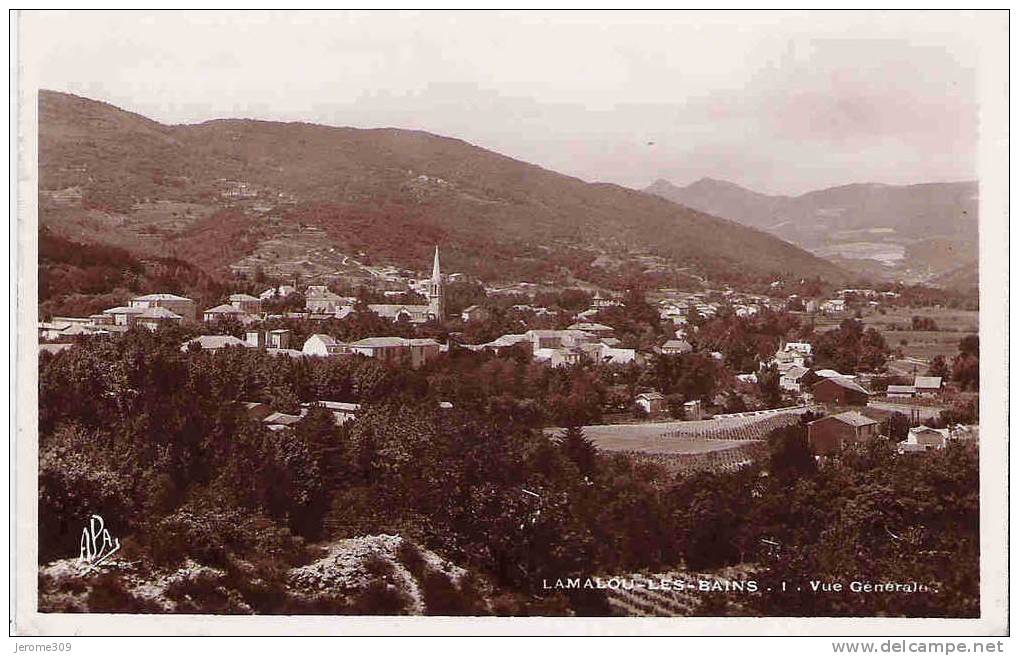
{"x": 105, "y": 173}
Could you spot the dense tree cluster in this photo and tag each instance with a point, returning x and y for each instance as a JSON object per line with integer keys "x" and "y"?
{"x": 851, "y": 348}
{"x": 746, "y": 342}
{"x": 966, "y": 365}
{"x": 154, "y": 439}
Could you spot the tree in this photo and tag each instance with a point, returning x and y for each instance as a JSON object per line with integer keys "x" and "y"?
{"x": 939, "y": 368}
{"x": 898, "y": 426}
{"x": 677, "y": 406}
{"x": 579, "y": 449}
{"x": 734, "y": 403}
{"x": 851, "y": 348}
{"x": 966, "y": 371}
{"x": 768, "y": 382}
{"x": 966, "y": 365}
{"x": 789, "y": 454}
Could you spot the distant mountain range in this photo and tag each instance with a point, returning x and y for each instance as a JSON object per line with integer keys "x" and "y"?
{"x": 915, "y": 233}
{"x": 217, "y": 192}
{"x": 919, "y": 211}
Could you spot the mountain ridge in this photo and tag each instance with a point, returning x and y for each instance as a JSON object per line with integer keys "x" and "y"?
{"x": 697, "y": 195}
{"x": 360, "y": 186}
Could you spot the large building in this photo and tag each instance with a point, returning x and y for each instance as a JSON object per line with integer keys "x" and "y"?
{"x": 397, "y": 350}
{"x": 394, "y": 350}
{"x": 184, "y": 307}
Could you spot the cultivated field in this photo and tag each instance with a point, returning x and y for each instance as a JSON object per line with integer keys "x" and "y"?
{"x": 654, "y": 443}
{"x": 920, "y": 345}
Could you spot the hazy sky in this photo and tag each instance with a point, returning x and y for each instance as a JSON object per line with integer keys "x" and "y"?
{"x": 779, "y": 102}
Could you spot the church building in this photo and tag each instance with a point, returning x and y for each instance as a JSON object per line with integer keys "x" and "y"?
{"x": 435, "y": 310}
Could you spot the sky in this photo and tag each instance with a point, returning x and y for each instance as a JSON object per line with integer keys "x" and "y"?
{"x": 780, "y": 102}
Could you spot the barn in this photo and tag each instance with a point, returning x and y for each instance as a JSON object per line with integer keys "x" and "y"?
{"x": 839, "y": 391}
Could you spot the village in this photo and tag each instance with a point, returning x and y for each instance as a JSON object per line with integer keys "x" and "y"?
{"x": 850, "y": 407}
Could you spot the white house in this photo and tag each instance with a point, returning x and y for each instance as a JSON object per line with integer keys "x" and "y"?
{"x": 925, "y": 438}
{"x": 900, "y": 391}
{"x": 791, "y": 378}
{"x": 676, "y": 347}
{"x": 833, "y": 306}
{"x": 927, "y": 385}
{"x": 652, "y": 403}
{"x": 324, "y": 345}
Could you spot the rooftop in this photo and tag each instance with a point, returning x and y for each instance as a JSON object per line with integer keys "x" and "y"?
{"x": 335, "y": 406}
{"x": 381, "y": 342}
{"x": 846, "y": 383}
{"x": 225, "y": 308}
{"x": 590, "y": 326}
{"x": 214, "y": 342}
{"x": 160, "y": 297}
{"x": 157, "y": 313}
{"x": 795, "y": 372}
{"x": 852, "y": 418}
{"x": 124, "y": 310}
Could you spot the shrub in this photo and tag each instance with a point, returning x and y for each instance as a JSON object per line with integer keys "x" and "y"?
{"x": 380, "y": 598}
{"x": 205, "y": 593}
{"x": 109, "y": 595}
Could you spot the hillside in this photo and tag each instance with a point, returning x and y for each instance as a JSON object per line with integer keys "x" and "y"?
{"x": 912, "y": 211}
{"x": 113, "y": 176}
{"x": 913, "y": 232}
{"x": 80, "y": 279}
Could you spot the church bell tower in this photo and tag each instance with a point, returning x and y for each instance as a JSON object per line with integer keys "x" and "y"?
{"x": 436, "y": 300}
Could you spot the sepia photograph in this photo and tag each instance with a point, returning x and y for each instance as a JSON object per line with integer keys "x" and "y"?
{"x": 578, "y": 315}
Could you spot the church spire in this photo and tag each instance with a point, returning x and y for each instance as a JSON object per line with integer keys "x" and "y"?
{"x": 436, "y": 297}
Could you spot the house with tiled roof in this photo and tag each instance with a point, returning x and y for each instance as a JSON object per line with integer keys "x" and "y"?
{"x": 123, "y": 315}
{"x": 829, "y": 435}
{"x": 927, "y": 385}
{"x": 599, "y": 329}
{"x": 900, "y": 391}
{"x": 213, "y": 343}
{"x": 156, "y": 317}
{"x": 227, "y": 311}
{"x": 398, "y": 350}
{"x": 675, "y": 347}
{"x": 924, "y": 438}
{"x": 179, "y": 305}
{"x": 791, "y": 379}
{"x": 652, "y": 403}
{"x": 246, "y": 303}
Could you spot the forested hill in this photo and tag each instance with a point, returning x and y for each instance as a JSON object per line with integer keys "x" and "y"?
{"x": 918, "y": 211}
{"x": 390, "y": 193}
